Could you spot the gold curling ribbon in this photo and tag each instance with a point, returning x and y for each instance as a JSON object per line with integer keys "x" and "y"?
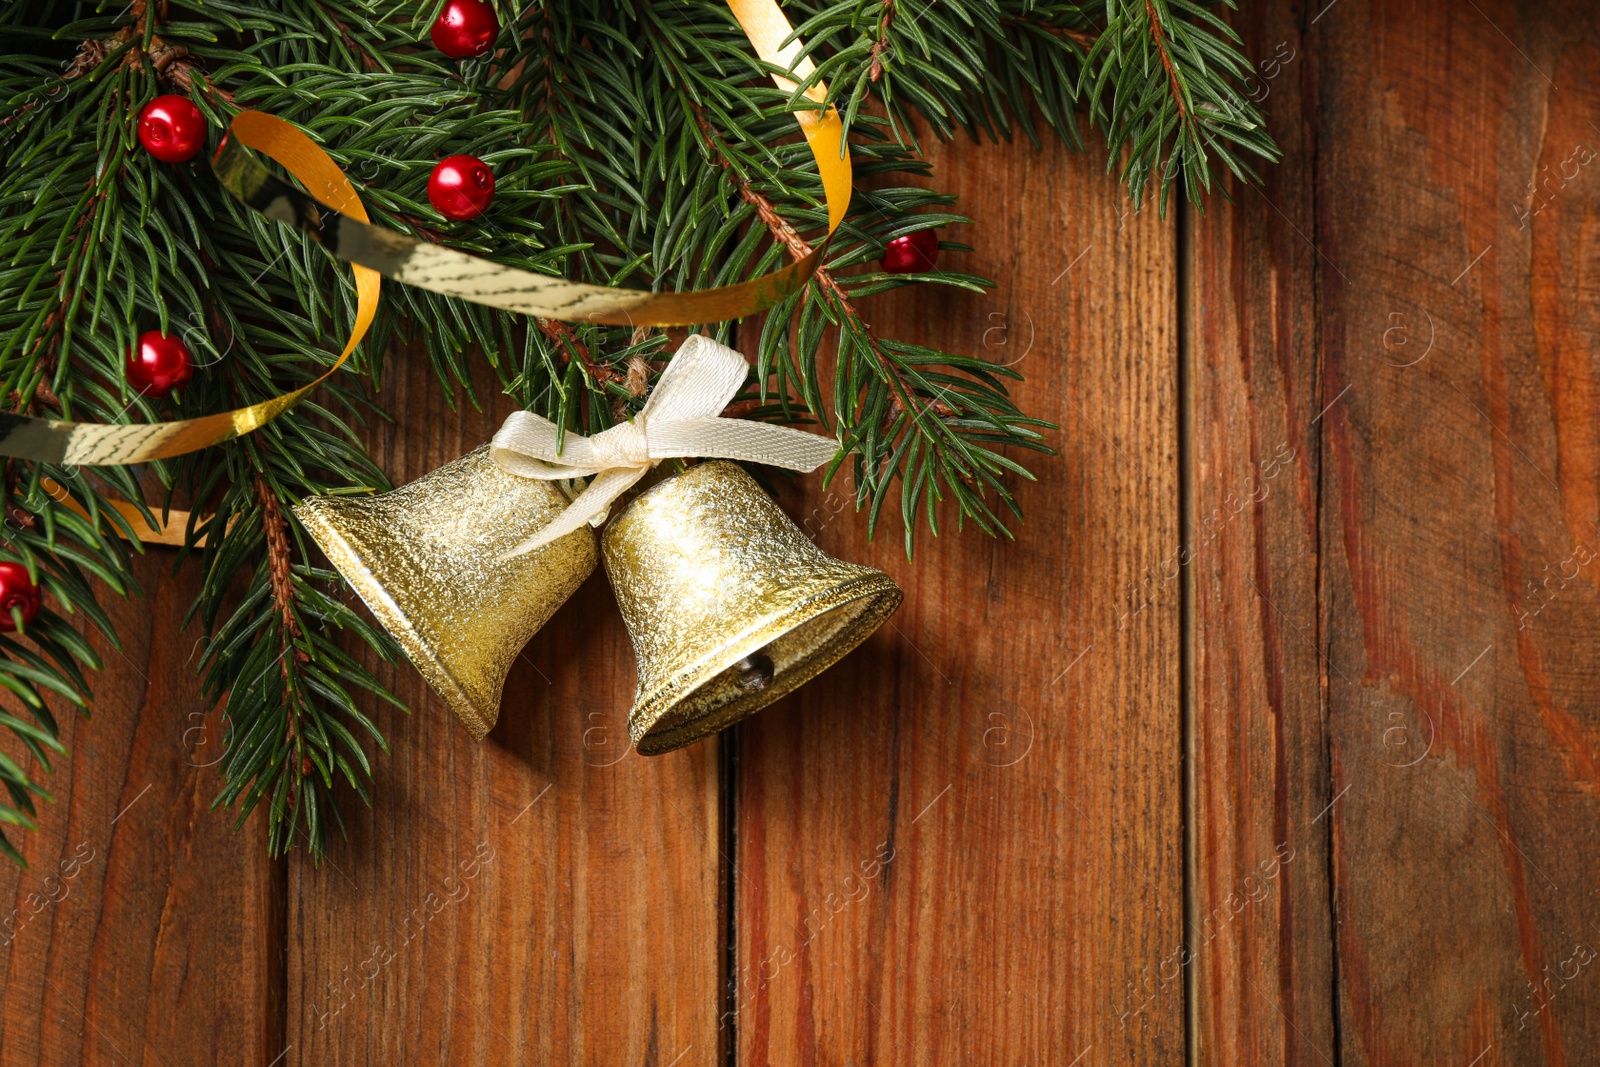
{"x": 171, "y": 530}
{"x": 333, "y": 216}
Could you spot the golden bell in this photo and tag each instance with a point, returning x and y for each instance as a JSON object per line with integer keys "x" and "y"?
{"x": 426, "y": 558}
{"x": 730, "y": 606}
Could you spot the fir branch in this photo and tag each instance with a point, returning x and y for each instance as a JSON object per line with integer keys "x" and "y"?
{"x": 46, "y": 660}
{"x": 1196, "y": 116}
{"x": 634, "y": 143}
{"x": 799, "y": 249}
{"x": 837, "y": 297}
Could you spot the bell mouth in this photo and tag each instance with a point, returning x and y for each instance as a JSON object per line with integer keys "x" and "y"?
{"x": 767, "y": 663}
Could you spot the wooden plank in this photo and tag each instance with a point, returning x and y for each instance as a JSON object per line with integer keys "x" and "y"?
{"x": 962, "y": 844}
{"x": 145, "y": 932}
{"x": 1460, "y": 475}
{"x": 1259, "y": 933}
{"x": 541, "y": 897}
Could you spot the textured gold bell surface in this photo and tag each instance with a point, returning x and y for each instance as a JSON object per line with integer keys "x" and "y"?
{"x": 426, "y": 558}
{"x": 730, "y": 606}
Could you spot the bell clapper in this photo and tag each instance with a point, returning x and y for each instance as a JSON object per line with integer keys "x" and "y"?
{"x": 755, "y": 672}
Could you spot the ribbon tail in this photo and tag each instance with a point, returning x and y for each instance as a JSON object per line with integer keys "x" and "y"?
{"x": 592, "y": 504}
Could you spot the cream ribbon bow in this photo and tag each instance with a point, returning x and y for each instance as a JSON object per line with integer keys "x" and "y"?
{"x": 679, "y": 420}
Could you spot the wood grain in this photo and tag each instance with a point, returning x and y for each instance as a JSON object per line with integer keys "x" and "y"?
{"x": 542, "y": 897}
{"x": 962, "y": 844}
{"x": 1460, "y": 472}
{"x": 1274, "y": 738}
{"x": 145, "y": 931}
{"x": 1259, "y": 930}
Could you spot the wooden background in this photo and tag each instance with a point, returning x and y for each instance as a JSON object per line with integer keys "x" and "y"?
{"x": 1273, "y": 739}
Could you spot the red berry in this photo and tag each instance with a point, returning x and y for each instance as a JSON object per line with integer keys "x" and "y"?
{"x": 465, "y": 29}
{"x": 172, "y": 129}
{"x": 17, "y": 591}
{"x": 912, "y": 253}
{"x": 461, "y": 187}
{"x": 159, "y": 364}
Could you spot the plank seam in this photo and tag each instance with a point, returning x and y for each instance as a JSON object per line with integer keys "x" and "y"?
{"x": 1189, "y": 787}
{"x": 1318, "y": 278}
{"x": 728, "y": 772}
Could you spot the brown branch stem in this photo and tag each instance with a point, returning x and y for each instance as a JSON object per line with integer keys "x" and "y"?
{"x": 799, "y": 248}
{"x": 1084, "y": 39}
{"x": 881, "y": 45}
{"x": 280, "y": 568}
{"x": 567, "y": 340}
{"x": 1160, "y": 36}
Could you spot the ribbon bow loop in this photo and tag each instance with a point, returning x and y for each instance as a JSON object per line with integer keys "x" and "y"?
{"x": 681, "y": 419}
